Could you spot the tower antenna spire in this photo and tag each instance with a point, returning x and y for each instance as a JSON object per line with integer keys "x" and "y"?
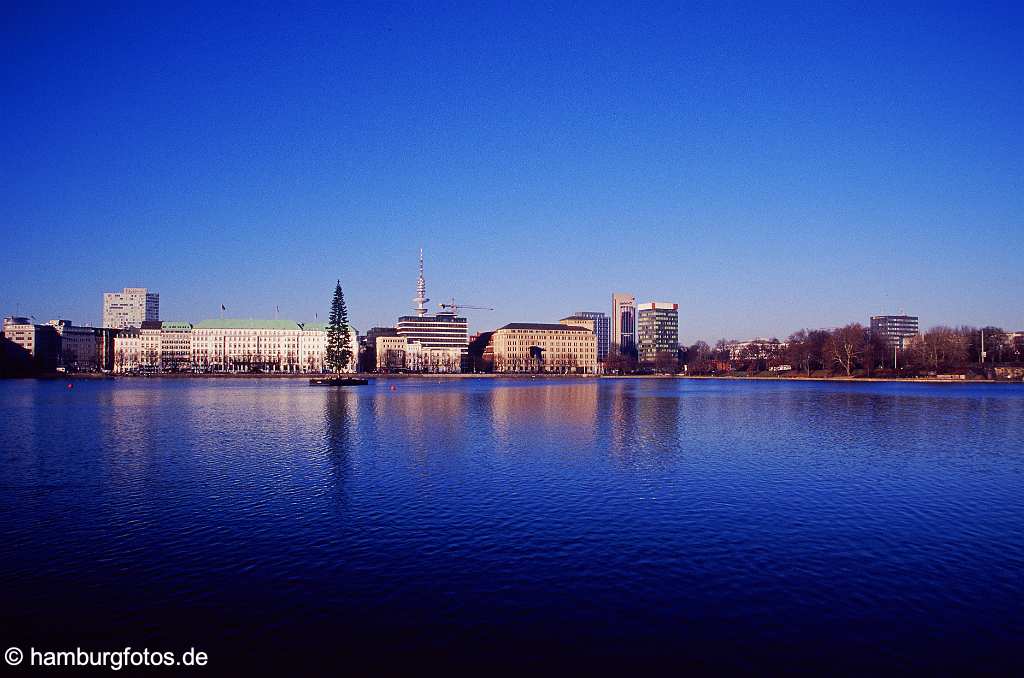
{"x": 421, "y": 291}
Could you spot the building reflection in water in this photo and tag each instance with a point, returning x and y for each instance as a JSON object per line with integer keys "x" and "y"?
{"x": 429, "y": 418}
{"x": 131, "y": 423}
{"x": 567, "y": 409}
{"x": 641, "y": 420}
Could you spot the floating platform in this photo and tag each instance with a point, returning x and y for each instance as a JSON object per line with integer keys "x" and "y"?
{"x": 338, "y": 381}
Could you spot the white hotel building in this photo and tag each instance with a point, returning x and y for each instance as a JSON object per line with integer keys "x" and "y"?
{"x": 227, "y": 345}
{"x": 263, "y": 345}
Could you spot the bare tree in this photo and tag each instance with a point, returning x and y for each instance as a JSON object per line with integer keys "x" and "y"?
{"x": 845, "y": 346}
{"x": 939, "y": 348}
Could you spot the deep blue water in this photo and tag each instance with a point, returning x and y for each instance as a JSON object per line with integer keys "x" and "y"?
{"x": 664, "y": 523}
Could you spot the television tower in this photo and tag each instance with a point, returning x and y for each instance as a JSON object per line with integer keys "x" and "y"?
{"x": 421, "y": 291}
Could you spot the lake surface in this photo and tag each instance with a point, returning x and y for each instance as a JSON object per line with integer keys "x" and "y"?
{"x": 674, "y": 523}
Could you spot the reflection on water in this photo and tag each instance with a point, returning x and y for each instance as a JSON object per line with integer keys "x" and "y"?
{"x": 340, "y": 421}
{"x": 596, "y": 518}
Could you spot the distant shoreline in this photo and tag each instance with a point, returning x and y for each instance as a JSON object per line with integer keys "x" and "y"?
{"x": 583, "y": 377}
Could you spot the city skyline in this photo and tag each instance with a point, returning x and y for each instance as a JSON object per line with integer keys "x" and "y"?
{"x": 768, "y": 170}
{"x": 624, "y": 338}
{"x": 420, "y": 307}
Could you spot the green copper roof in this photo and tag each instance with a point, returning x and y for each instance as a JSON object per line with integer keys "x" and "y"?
{"x": 239, "y": 324}
{"x": 176, "y": 325}
{"x": 322, "y": 327}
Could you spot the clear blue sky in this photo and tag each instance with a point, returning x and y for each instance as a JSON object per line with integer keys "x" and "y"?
{"x": 768, "y": 168}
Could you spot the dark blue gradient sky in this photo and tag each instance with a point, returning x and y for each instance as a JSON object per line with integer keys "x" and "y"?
{"x": 768, "y": 168}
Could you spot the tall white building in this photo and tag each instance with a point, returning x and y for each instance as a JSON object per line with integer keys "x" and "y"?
{"x": 130, "y": 308}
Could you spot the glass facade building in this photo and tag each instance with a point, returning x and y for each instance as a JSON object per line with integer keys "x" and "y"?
{"x": 602, "y": 328}
{"x": 657, "y": 329}
{"x": 895, "y": 330}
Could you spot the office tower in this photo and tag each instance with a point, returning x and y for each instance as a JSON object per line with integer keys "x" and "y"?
{"x": 130, "y": 308}
{"x": 657, "y": 329}
{"x": 895, "y": 330}
{"x": 623, "y": 324}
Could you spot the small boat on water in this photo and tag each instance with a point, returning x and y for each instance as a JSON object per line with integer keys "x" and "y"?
{"x": 338, "y": 381}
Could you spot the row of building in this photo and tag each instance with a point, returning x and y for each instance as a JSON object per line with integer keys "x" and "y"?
{"x": 577, "y": 344}
{"x": 134, "y": 339}
{"x": 226, "y": 345}
{"x": 223, "y": 345}
{"x": 37, "y": 347}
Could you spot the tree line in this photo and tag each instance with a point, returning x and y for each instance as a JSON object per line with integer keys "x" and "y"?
{"x": 853, "y": 349}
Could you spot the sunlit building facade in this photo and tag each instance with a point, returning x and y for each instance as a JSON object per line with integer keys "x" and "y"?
{"x": 444, "y": 330}
{"x": 400, "y": 354}
{"x": 313, "y": 348}
{"x": 41, "y": 343}
{"x": 440, "y": 330}
{"x": 602, "y": 328}
{"x": 232, "y": 345}
{"x": 130, "y": 307}
{"x": 623, "y": 322}
{"x": 545, "y": 347}
{"x": 175, "y": 346}
{"x": 128, "y": 351}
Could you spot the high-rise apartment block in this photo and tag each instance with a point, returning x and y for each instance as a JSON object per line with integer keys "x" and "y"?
{"x": 895, "y": 330}
{"x": 623, "y": 324}
{"x": 657, "y": 329}
{"x": 130, "y": 308}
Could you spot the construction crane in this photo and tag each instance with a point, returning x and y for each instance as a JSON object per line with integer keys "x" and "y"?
{"x": 455, "y": 307}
